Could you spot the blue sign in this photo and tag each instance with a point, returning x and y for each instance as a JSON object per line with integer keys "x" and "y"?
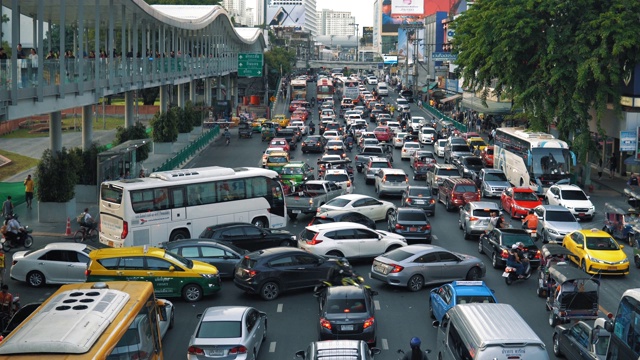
{"x": 628, "y": 140}
{"x": 380, "y": 65}
{"x": 443, "y": 56}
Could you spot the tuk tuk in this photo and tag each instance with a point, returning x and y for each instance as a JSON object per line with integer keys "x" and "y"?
{"x": 297, "y": 172}
{"x": 244, "y": 130}
{"x": 256, "y": 125}
{"x": 620, "y": 223}
{"x": 572, "y": 294}
{"x": 268, "y": 131}
{"x": 551, "y": 254}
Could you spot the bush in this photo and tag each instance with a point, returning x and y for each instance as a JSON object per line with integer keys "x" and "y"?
{"x": 185, "y": 124}
{"x": 196, "y": 113}
{"x": 57, "y": 175}
{"x": 136, "y": 132}
{"x": 165, "y": 126}
{"x": 88, "y": 174}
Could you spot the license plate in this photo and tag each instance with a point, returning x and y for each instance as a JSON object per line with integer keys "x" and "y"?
{"x": 419, "y": 201}
{"x": 612, "y": 268}
{"x": 346, "y": 327}
{"x": 533, "y": 234}
{"x": 379, "y": 268}
{"x": 296, "y": 211}
{"x": 216, "y": 352}
{"x": 505, "y": 274}
{"x": 413, "y": 229}
{"x": 581, "y": 214}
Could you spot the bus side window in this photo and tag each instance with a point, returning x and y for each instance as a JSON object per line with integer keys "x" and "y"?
{"x": 177, "y": 197}
{"x": 160, "y": 199}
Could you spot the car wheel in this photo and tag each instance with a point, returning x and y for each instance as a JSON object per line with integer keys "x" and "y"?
{"x": 467, "y": 236}
{"x": 553, "y": 319}
{"x": 480, "y": 250}
{"x": 192, "y": 293}
{"x": 545, "y": 201}
{"x": 556, "y": 346}
{"x": 494, "y": 261}
{"x": 484, "y": 192}
{"x": 172, "y": 319}
{"x": 392, "y": 247}
{"x": 448, "y": 205}
{"x": 335, "y": 253}
{"x": 269, "y": 290}
{"x": 583, "y": 266}
{"x": 28, "y": 241}
{"x": 433, "y": 316}
{"x": 293, "y": 216}
{"x": 260, "y": 222}
{"x": 36, "y": 279}
{"x": 178, "y": 235}
{"x": 474, "y": 274}
{"x": 460, "y": 224}
{"x": 415, "y": 283}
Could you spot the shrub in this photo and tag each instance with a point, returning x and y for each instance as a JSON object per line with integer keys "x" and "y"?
{"x": 165, "y": 126}
{"x": 88, "y": 174}
{"x": 57, "y": 175}
{"x": 136, "y": 132}
{"x": 185, "y": 124}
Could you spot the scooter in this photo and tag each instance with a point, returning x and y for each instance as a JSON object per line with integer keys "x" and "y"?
{"x": 510, "y": 275}
{"x": 24, "y": 240}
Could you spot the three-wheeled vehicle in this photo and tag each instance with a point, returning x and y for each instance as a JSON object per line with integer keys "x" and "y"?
{"x": 620, "y": 223}
{"x": 551, "y": 254}
{"x": 572, "y": 295}
{"x": 244, "y": 130}
{"x": 268, "y": 130}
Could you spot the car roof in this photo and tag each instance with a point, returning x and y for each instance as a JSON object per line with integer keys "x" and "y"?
{"x": 466, "y": 288}
{"x": 554, "y": 207}
{"x": 523, "y": 190}
{"x": 416, "y": 248}
{"x": 336, "y": 172}
{"x": 458, "y": 180}
{"x": 335, "y": 225}
{"x": 348, "y": 292}
{"x": 275, "y": 251}
{"x": 490, "y": 170}
{"x": 295, "y": 164}
{"x": 65, "y": 246}
{"x": 445, "y": 166}
{"x": 411, "y": 143}
{"x": 483, "y": 205}
{"x": 594, "y": 232}
{"x": 227, "y": 225}
{"x": 337, "y": 213}
{"x": 568, "y": 187}
{"x": 224, "y": 313}
{"x": 124, "y": 251}
{"x": 378, "y": 158}
{"x": 393, "y": 171}
{"x": 409, "y": 209}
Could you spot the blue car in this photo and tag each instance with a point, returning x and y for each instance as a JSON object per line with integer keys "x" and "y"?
{"x": 443, "y": 298}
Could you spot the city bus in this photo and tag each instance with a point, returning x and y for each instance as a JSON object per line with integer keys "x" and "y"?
{"x": 112, "y": 320}
{"x": 625, "y": 328}
{"x": 532, "y": 159}
{"x": 180, "y": 204}
{"x": 349, "y": 89}
{"x": 324, "y": 90}
{"x": 298, "y": 89}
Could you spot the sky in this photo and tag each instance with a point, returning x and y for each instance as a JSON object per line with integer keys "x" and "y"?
{"x": 361, "y": 9}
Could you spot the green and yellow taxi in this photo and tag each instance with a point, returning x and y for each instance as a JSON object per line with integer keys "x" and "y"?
{"x": 296, "y": 172}
{"x": 268, "y": 131}
{"x": 477, "y": 142}
{"x": 277, "y": 160}
{"x": 281, "y": 120}
{"x": 596, "y": 252}
{"x": 256, "y": 125}
{"x": 171, "y": 274}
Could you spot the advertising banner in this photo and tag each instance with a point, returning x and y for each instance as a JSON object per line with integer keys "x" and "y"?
{"x": 407, "y": 7}
{"x": 285, "y": 13}
{"x": 628, "y": 140}
{"x": 367, "y": 34}
{"x": 390, "y": 59}
{"x": 398, "y": 12}
{"x": 408, "y": 44}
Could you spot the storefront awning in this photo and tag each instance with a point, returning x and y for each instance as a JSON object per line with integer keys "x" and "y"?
{"x": 432, "y": 86}
{"x": 451, "y": 98}
{"x": 491, "y": 108}
{"x": 631, "y": 160}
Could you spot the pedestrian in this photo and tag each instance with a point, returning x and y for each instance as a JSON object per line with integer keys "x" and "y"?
{"x": 28, "y": 190}
{"x": 141, "y": 174}
{"x": 7, "y": 208}
{"x": 600, "y": 169}
{"x": 613, "y": 165}
{"x": 633, "y": 180}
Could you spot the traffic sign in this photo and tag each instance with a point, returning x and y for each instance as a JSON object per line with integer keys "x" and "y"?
{"x": 443, "y": 56}
{"x": 250, "y": 64}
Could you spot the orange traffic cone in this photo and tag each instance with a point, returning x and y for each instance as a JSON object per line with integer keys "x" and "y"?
{"x": 68, "y": 232}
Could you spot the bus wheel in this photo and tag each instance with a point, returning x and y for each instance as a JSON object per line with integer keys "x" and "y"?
{"x": 260, "y": 222}
{"x": 178, "y": 235}
{"x": 192, "y": 293}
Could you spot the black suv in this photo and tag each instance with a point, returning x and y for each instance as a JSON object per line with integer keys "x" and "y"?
{"x": 313, "y": 143}
{"x": 347, "y": 312}
{"x": 248, "y": 236}
{"x": 497, "y": 242}
{"x": 270, "y": 272}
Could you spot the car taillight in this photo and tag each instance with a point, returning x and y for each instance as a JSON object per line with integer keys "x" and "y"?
{"x": 432, "y": 201}
{"x": 538, "y": 255}
{"x": 87, "y": 272}
{"x": 314, "y": 241}
{"x": 311, "y": 202}
{"x": 252, "y": 273}
{"x": 349, "y": 183}
{"x": 195, "y": 351}
{"x": 125, "y": 230}
{"x": 426, "y": 227}
{"x": 408, "y": 201}
{"x": 238, "y": 350}
{"x": 396, "y": 268}
{"x": 384, "y": 178}
{"x": 505, "y": 254}
{"x": 473, "y": 218}
{"x": 369, "y": 322}
{"x": 399, "y": 227}
{"x": 325, "y": 323}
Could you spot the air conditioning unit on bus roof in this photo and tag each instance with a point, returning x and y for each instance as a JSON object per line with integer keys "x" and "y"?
{"x": 534, "y": 135}
{"x": 182, "y": 174}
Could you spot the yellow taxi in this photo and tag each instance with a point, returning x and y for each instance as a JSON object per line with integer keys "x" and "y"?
{"x": 281, "y": 120}
{"x": 477, "y": 142}
{"x": 596, "y": 252}
{"x": 256, "y": 125}
{"x": 171, "y": 274}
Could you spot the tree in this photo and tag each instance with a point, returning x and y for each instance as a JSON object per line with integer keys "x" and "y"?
{"x": 136, "y": 132}
{"x": 165, "y": 126}
{"x": 57, "y": 175}
{"x": 280, "y": 61}
{"x": 556, "y": 59}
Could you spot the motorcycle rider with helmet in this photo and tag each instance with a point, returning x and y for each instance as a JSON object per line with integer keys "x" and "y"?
{"x": 513, "y": 260}
{"x": 530, "y": 221}
{"x": 339, "y": 272}
{"x": 14, "y": 229}
{"x": 415, "y": 353}
{"x": 523, "y": 260}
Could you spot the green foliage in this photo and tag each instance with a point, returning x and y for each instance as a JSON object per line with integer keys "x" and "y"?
{"x": 165, "y": 126}
{"x": 149, "y": 95}
{"x": 57, "y": 175}
{"x": 88, "y": 174}
{"x": 137, "y": 132}
{"x": 281, "y": 60}
{"x": 195, "y": 113}
{"x": 185, "y": 123}
{"x": 558, "y": 59}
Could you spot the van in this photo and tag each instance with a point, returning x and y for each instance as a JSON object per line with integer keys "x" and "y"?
{"x": 382, "y": 89}
{"x": 486, "y": 331}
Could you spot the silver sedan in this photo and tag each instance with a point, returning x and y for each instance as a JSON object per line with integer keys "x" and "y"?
{"x": 414, "y": 266}
{"x": 228, "y": 332}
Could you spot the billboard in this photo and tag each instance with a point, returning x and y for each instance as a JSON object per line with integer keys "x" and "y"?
{"x": 398, "y": 12}
{"x": 409, "y": 46}
{"x": 285, "y": 13}
{"x": 407, "y": 7}
{"x": 367, "y": 34}
{"x": 389, "y": 59}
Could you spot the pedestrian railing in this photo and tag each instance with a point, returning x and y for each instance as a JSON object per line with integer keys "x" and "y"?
{"x": 440, "y": 115}
{"x": 189, "y": 151}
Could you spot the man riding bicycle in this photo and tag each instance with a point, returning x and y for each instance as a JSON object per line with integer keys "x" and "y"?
{"x": 87, "y": 220}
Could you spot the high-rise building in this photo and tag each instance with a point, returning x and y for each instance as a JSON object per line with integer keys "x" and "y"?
{"x": 259, "y": 12}
{"x": 337, "y": 23}
{"x": 249, "y": 18}
{"x": 236, "y": 9}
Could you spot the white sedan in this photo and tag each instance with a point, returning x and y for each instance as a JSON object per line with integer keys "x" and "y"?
{"x": 56, "y": 263}
{"x": 371, "y": 207}
{"x": 408, "y": 149}
{"x": 304, "y": 129}
{"x": 438, "y": 147}
{"x": 398, "y": 140}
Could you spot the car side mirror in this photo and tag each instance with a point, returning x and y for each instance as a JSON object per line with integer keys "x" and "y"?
{"x": 300, "y": 354}
{"x": 375, "y": 351}
{"x": 621, "y": 247}
{"x": 172, "y": 268}
{"x": 198, "y": 316}
{"x": 580, "y": 246}
{"x": 435, "y": 323}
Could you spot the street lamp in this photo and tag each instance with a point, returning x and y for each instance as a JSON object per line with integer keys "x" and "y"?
{"x": 357, "y": 40}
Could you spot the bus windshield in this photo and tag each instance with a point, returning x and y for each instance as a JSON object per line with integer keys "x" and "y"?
{"x": 551, "y": 161}
{"x": 625, "y": 339}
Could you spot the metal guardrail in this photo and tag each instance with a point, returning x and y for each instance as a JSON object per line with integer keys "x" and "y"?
{"x": 440, "y": 115}
{"x": 192, "y": 149}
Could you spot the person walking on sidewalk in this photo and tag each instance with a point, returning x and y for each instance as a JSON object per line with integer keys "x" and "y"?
{"x": 28, "y": 190}
{"x": 613, "y": 165}
{"x": 600, "y": 169}
{"x": 7, "y": 208}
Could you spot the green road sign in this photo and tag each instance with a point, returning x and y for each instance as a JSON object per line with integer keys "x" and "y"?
{"x": 250, "y": 64}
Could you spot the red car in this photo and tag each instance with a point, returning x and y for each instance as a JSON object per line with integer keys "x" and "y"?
{"x": 487, "y": 156}
{"x": 293, "y": 105}
{"x": 302, "y": 113}
{"x": 383, "y": 133}
{"x": 280, "y": 143}
{"x": 518, "y": 201}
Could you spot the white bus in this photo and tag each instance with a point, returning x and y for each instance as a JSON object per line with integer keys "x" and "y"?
{"x": 625, "y": 328}
{"x": 179, "y": 204}
{"x": 532, "y": 159}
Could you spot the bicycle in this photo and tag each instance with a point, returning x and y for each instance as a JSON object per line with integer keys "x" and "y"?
{"x": 85, "y": 233}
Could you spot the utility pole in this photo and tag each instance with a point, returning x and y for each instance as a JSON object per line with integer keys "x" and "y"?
{"x": 357, "y": 40}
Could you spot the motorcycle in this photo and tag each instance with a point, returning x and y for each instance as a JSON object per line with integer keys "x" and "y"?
{"x": 24, "y": 240}
{"x": 401, "y": 353}
{"x": 510, "y": 275}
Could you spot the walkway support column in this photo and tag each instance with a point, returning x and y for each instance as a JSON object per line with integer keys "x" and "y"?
{"x": 87, "y": 126}
{"x": 55, "y": 131}
{"x": 129, "y": 119}
{"x": 181, "y": 96}
{"x": 207, "y": 92}
{"x": 227, "y": 85}
{"x": 234, "y": 88}
{"x": 164, "y": 98}
{"x": 219, "y": 88}
{"x": 192, "y": 91}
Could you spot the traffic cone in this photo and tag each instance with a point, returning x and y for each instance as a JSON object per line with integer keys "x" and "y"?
{"x": 68, "y": 231}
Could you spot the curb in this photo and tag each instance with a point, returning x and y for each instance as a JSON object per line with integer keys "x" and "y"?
{"x": 50, "y": 234}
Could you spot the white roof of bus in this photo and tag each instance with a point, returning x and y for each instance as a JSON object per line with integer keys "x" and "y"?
{"x": 536, "y": 139}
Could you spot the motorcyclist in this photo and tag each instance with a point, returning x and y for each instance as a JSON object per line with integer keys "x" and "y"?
{"x": 312, "y": 127}
{"x": 13, "y": 229}
{"x": 530, "y": 221}
{"x": 349, "y": 141}
{"x": 227, "y": 134}
{"x": 415, "y": 353}
{"x": 339, "y": 272}
{"x": 513, "y": 260}
{"x": 523, "y": 260}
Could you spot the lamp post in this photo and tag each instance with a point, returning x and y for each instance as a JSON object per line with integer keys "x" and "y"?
{"x": 357, "y": 40}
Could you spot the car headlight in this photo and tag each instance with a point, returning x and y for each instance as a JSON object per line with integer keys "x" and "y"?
{"x": 209, "y": 276}
{"x": 592, "y": 259}
{"x": 592, "y": 207}
{"x": 552, "y": 231}
{"x": 625, "y": 261}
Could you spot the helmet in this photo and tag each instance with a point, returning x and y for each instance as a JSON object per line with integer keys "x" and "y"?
{"x": 514, "y": 246}
{"x": 343, "y": 262}
{"x": 415, "y": 342}
{"x": 520, "y": 244}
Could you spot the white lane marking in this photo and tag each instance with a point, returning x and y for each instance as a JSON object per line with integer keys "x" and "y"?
{"x": 434, "y": 237}
{"x": 385, "y": 344}
{"x": 280, "y": 307}
{"x": 376, "y": 304}
{"x": 272, "y": 346}
{"x": 370, "y": 276}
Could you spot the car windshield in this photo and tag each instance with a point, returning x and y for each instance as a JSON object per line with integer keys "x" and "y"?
{"x": 442, "y": 143}
{"x": 602, "y": 243}
{"x": 495, "y": 177}
{"x": 508, "y": 239}
{"x": 602, "y": 344}
{"x": 420, "y": 192}
{"x": 468, "y": 299}
{"x": 412, "y": 216}
{"x": 525, "y": 196}
{"x": 460, "y": 148}
{"x": 478, "y": 143}
{"x": 466, "y": 188}
{"x": 337, "y": 202}
{"x": 219, "y": 329}
{"x": 574, "y": 195}
{"x": 473, "y": 161}
{"x": 175, "y": 258}
{"x": 489, "y": 151}
{"x": 277, "y": 159}
{"x": 380, "y": 165}
{"x": 341, "y": 305}
{"x": 561, "y": 216}
{"x": 337, "y": 177}
{"x": 482, "y": 212}
{"x": 292, "y": 171}
{"x": 448, "y": 172}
